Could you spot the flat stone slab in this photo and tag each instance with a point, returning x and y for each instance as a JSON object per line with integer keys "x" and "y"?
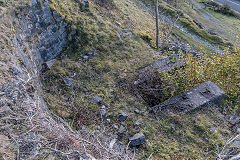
{"x": 165, "y": 64}
{"x": 168, "y": 64}
{"x": 204, "y": 95}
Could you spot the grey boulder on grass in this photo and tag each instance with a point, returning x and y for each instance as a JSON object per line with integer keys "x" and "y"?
{"x": 137, "y": 140}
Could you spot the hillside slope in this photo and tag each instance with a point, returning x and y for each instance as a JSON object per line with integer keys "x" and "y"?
{"x": 70, "y": 69}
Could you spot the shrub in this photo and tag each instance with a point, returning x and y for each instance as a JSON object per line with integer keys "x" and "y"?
{"x": 223, "y": 69}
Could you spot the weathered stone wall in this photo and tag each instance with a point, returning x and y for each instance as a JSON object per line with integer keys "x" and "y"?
{"x": 36, "y": 35}
{"x": 43, "y": 31}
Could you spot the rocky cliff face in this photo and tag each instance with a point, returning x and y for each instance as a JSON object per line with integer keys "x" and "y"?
{"x": 30, "y": 36}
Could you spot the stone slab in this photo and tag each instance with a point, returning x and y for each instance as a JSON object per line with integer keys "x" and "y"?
{"x": 204, "y": 95}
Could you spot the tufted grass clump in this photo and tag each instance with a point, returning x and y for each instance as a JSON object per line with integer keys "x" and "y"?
{"x": 223, "y": 69}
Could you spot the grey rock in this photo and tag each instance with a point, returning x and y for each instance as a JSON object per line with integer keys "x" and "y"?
{"x": 70, "y": 38}
{"x": 118, "y": 24}
{"x": 50, "y": 63}
{"x": 236, "y": 143}
{"x": 236, "y": 157}
{"x": 136, "y": 111}
{"x": 92, "y": 54}
{"x": 213, "y": 130}
{"x": 137, "y": 139}
{"x": 96, "y": 100}
{"x": 16, "y": 71}
{"x": 121, "y": 129}
{"x": 125, "y": 107}
{"x": 122, "y": 36}
{"x": 172, "y": 126}
{"x": 234, "y": 119}
{"x": 73, "y": 32}
{"x": 238, "y": 130}
{"x": 2, "y": 64}
{"x": 4, "y": 111}
{"x": 205, "y": 95}
{"x": 29, "y": 145}
{"x": 164, "y": 64}
{"x": 122, "y": 117}
{"x": 85, "y": 156}
{"x": 68, "y": 81}
{"x": 111, "y": 90}
{"x": 85, "y": 57}
{"x": 74, "y": 74}
{"x": 125, "y": 34}
{"x": 33, "y": 2}
{"x": 167, "y": 64}
{"x": 115, "y": 126}
{"x": 102, "y": 111}
{"x": 130, "y": 34}
{"x": 113, "y": 141}
{"x": 138, "y": 123}
{"x": 85, "y": 91}
{"x": 2, "y": 93}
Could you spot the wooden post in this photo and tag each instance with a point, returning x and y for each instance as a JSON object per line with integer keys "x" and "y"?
{"x": 157, "y": 25}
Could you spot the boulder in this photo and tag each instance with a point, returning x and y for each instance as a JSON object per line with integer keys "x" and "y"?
{"x": 50, "y": 63}
{"x": 102, "y": 111}
{"x": 113, "y": 141}
{"x": 137, "y": 139}
{"x": 68, "y": 81}
{"x": 169, "y": 63}
{"x": 238, "y": 130}
{"x": 173, "y": 126}
{"x": 122, "y": 129}
{"x": 164, "y": 64}
{"x": 236, "y": 157}
{"x": 16, "y": 71}
{"x": 96, "y": 100}
{"x": 111, "y": 90}
{"x": 136, "y": 111}
{"x": 138, "y": 123}
{"x": 33, "y": 2}
{"x": 204, "y": 95}
{"x": 122, "y": 117}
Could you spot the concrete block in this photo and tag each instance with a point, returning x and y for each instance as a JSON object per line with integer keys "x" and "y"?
{"x": 204, "y": 95}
